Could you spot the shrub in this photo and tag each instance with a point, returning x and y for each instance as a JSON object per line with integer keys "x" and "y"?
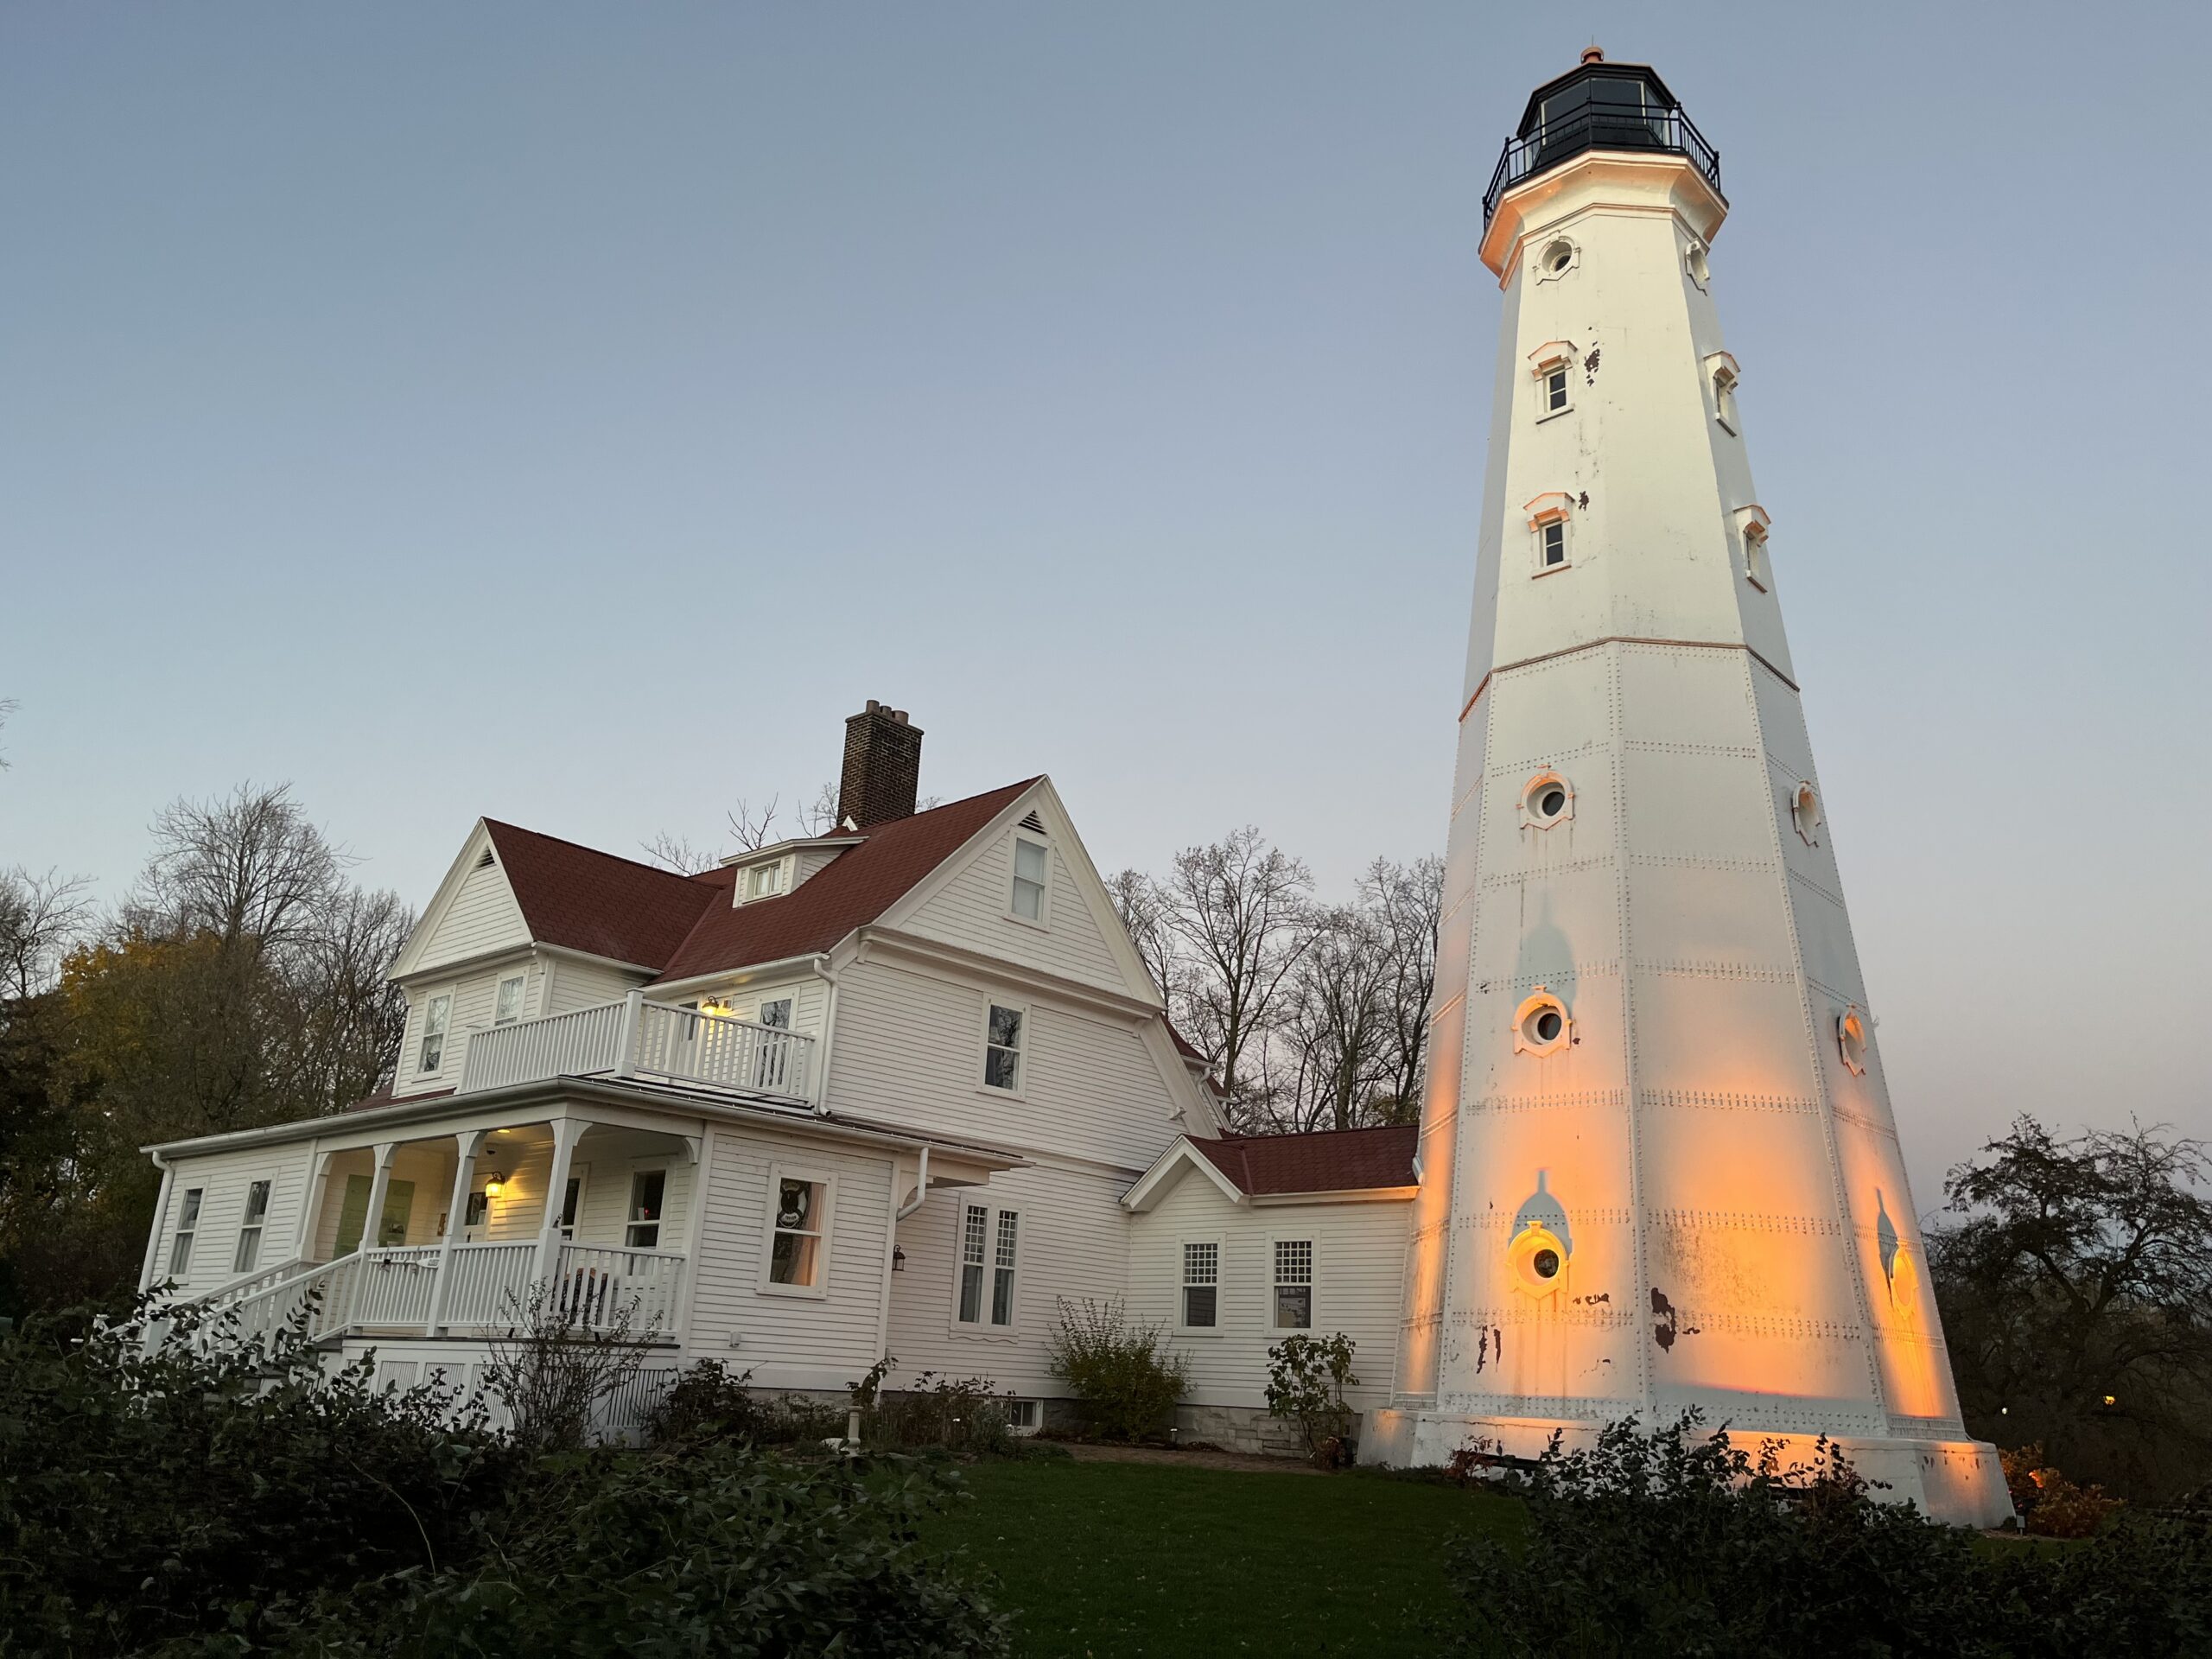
{"x": 706, "y": 1405}
{"x": 173, "y": 1501}
{"x": 1122, "y": 1372}
{"x": 551, "y": 1369}
{"x": 1306, "y": 1379}
{"x": 2050, "y": 1505}
{"x": 964, "y": 1414}
{"x": 1678, "y": 1543}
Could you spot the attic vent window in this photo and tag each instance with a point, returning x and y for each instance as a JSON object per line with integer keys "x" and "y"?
{"x": 484, "y": 861}
{"x": 1034, "y": 824}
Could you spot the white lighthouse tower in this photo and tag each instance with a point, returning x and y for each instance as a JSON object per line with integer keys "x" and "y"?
{"x": 1658, "y": 1165}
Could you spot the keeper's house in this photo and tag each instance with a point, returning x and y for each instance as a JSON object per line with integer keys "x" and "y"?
{"x": 892, "y": 1089}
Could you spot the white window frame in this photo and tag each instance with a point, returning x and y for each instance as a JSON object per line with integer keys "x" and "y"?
{"x": 1545, "y": 409}
{"x": 436, "y": 1008}
{"x": 823, "y": 1232}
{"x": 664, "y": 1168}
{"x": 520, "y": 980}
{"x": 752, "y": 875}
{"x": 982, "y": 1325}
{"x": 251, "y": 1227}
{"x": 1276, "y": 1282}
{"x": 1184, "y": 1281}
{"x": 190, "y": 1210}
{"x": 1024, "y": 1050}
{"x": 1043, "y": 920}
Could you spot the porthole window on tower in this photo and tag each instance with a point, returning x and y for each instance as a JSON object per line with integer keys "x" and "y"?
{"x": 1547, "y": 799}
{"x": 1805, "y": 814}
{"x": 1552, "y": 364}
{"x": 1541, "y": 1025}
{"x": 1555, "y": 258}
{"x": 1851, "y": 1039}
{"x": 1700, "y": 271}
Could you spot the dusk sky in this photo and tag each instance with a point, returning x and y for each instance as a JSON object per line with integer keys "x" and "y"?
{"x": 570, "y": 413}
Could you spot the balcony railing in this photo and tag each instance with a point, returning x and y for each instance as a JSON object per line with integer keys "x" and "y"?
{"x": 423, "y": 1290}
{"x": 636, "y": 1038}
{"x": 1599, "y": 126}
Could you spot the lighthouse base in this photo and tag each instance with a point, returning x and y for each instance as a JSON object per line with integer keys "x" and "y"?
{"x": 1958, "y": 1482}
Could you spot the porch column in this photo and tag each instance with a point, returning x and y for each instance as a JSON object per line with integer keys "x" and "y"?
{"x": 379, "y": 1184}
{"x": 567, "y": 1131}
{"x": 469, "y": 1143}
{"x": 161, "y": 1224}
{"x": 311, "y": 1203}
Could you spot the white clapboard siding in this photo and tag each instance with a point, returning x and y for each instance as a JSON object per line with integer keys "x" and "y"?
{"x": 482, "y": 917}
{"x": 615, "y": 1158}
{"x": 909, "y": 1049}
{"x": 223, "y": 1179}
{"x": 971, "y": 910}
{"x": 790, "y": 1341}
{"x": 427, "y": 1163}
{"x": 1069, "y": 1244}
{"x": 1359, "y": 1262}
{"x": 583, "y": 984}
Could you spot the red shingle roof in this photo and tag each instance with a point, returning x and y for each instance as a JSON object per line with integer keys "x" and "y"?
{"x": 856, "y": 888}
{"x": 595, "y": 902}
{"x": 1331, "y": 1160}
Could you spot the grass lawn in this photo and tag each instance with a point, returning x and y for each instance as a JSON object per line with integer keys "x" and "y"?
{"x": 1124, "y": 1558}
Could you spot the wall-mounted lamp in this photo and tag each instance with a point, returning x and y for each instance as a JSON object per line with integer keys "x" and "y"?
{"x": 495, "y": 1185}
{"x": 898, "y": 1260}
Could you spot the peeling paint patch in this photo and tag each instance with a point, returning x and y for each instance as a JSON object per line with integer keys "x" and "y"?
{"x": 1482, "y": 1353}
{"x": 1662, "y": 1319}
{"x": 1583, "y": 501}
{"x": 1497, "y": 1341}
{"x": 1590, "y": 368}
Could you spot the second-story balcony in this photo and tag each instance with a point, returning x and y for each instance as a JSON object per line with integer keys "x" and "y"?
{"x": 637, "y": 1037}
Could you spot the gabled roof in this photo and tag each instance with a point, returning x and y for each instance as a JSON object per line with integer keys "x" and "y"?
{"x": 1330, "y": 1160}
{"x": 1286, "y": 1166}
{"x": 597, "y": 903}
{"x": 854, "y": 889}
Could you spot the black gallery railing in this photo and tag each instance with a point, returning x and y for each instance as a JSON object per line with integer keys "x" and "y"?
{"x": 1599, "y": 126}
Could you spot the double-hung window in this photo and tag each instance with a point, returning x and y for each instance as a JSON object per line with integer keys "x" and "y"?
{"x": 1555, "y": 390}
{"x": 188, "y": 1223}
{"x": 648, "y": 1187}
{"x": 1554, "y": 543}
{"x": 257, "y": 1215}
{"x": 800, "y": 1205}
{"x": 1201, "y": 1299}
{"x": 989, "y": 1242}
{"x": 435, "y": 1019}
{"x": 1293, "y": 1297}
{"x": 1005, "y": 1036}
{"x": 1031, "y": 862}
{"x": 507, "y": 1008}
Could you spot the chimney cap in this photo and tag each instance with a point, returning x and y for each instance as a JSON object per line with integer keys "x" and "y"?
{"x": 1593, "y": 52}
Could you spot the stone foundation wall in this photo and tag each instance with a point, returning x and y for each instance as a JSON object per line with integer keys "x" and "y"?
{"x": 1238, "y": 1428}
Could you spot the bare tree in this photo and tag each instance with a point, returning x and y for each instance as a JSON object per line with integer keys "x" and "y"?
{"x": 671, "y": 851}
{"x": 552, "y": 1368}
{"x": 347, "y": 1018}
{"x": 8, "y": 706}
{"x": 1143, "y": 910}
{"x": 1238, "y": 909}
{"x": 246, "y": 867}
{"x": 41, "y": 917}
{"x": 1407, "y": 904}
{"x": 1335, "y": 1021}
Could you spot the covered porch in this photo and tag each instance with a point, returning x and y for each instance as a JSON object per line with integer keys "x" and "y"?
{"x": 467, "y": 1232}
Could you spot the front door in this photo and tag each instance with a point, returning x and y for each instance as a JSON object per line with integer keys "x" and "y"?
{"x": 398, "y": 1204}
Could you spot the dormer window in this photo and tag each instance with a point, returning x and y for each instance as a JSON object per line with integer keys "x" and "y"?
{"x": 765, "y": 880}
{"x": 1032, "y": 859}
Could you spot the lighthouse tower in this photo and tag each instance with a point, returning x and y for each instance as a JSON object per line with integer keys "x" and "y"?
{"x": 1658, "y": 1167}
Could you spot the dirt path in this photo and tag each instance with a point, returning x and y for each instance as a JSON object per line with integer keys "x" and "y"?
{"x": 1181, "y": 1458}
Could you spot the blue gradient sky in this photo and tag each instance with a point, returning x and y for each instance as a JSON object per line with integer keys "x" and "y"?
{"x": 569, "y": 413}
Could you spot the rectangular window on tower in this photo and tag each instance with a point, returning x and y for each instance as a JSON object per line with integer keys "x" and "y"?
{"x": 1553, "y": 550}
{"x": 1554, "y": 391}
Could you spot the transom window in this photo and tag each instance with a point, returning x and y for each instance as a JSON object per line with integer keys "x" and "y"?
{"x": 188, "y": 1223}
{"x": 1201, "y": 1285}
{"x": 508, "y": 1008}
{"x": 1031, "y": 861}
{"x": 256, "y": 1214}
{"x": 435, "y": 1019}
{"x": 648, "y": 1187}
{"x": 989, "y": 1243}
{"x": 1294, "y": 1300}
{"x": 798, "y": 1231}
{"x": 1003, "y": 1039}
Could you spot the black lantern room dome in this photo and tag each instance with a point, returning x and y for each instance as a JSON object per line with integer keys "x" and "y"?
{"x": 1598, "y": 105}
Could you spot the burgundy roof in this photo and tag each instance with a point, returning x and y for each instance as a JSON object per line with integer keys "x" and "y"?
{"x": 1331, "y": 1160}
{"x": 854, "y": 889}
{"x": 595, "y": 902}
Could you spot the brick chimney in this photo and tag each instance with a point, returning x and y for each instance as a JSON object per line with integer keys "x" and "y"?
{"x": 883, "y": 767}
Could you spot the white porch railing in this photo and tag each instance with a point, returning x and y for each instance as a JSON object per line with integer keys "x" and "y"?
{"x": 635, "y": 1038}
{"x": 487, "y": 1289}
